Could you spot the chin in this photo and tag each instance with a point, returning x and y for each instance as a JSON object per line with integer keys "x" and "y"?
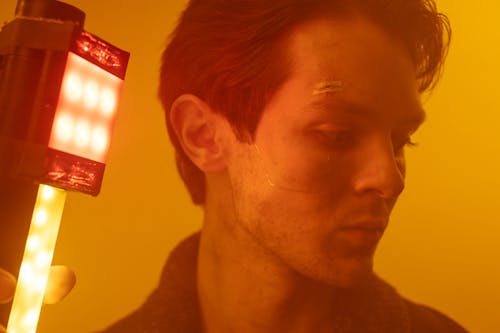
{"x": 347, "y": 272}
{"x": 354, "y": 280}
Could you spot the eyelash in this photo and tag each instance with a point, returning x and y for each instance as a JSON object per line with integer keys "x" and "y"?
{"x": 406, "y": 142}
{"x": 343, "y": 139}
{"x": 411, "y": 143}
{"x": 337, "y": 139}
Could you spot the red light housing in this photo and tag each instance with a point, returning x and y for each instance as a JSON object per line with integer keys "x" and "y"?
{"x": 57, "y": 121}
{"x": 85, "y": 114}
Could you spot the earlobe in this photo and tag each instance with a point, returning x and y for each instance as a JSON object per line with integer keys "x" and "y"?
{"x": 199, "y": 131}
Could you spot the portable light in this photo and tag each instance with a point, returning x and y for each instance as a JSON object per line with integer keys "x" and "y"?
{"x": 59, "y": 93}
{"x": 37, "y": 258}
{"x": 84, "y": 118}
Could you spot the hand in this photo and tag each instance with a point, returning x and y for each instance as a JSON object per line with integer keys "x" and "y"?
{"x": 61, "y": 281}
{"x": 7, "y": 286}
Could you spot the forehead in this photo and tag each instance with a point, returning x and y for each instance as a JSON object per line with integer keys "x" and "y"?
{"x": 367, "y": 66}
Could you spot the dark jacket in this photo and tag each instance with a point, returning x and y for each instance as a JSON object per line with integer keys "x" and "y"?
{"x": 173, "y": 306}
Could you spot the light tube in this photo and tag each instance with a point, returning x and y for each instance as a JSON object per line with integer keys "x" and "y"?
{"x": 37, "y": 260}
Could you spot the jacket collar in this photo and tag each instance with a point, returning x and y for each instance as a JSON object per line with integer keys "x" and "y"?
{"x": 173, "y": 307}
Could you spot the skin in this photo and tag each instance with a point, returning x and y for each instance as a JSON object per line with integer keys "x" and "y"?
{"x": 7, "y": 286}
{"x": 7, "y": 289}
{"x": 299, "y": 213}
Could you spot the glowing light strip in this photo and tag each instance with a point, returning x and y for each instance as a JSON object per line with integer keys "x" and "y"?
{"x": 86, "y": 110}
{"x": 37, "y": 259}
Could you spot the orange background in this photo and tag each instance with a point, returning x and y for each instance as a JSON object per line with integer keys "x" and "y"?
{"x": 442, "y": 247}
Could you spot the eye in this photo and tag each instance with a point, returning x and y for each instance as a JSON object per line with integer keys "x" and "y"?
{"x": 335, "y": 138}
{"x": 401, "y": 141}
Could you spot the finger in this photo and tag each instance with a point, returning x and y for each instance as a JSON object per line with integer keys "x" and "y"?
{"x": 7, "y": 286}
{"x": 61, "y": 281}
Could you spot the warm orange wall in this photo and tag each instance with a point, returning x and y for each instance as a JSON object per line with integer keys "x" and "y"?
{"x": 443, "y": 246}
{"x": 441, "y": 249}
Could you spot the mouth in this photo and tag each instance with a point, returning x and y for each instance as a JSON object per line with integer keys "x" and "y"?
{"x": 363, "y": 234}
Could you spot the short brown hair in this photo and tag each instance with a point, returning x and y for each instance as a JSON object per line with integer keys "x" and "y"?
{"x": 230, "y": 53}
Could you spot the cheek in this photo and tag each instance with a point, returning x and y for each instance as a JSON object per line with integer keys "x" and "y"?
{"x": 307, "y": 171}
{"x": 285, "y": 218}
{"x": 275, "y": 212}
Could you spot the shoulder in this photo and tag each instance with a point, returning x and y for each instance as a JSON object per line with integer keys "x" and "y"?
{"x": 173, "y": 305}
{"x": 427, "y": 320}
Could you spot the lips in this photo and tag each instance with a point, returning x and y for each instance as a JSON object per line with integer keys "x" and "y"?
{"x": 366, "y": 233}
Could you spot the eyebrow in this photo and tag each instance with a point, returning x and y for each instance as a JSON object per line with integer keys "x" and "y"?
{"x": 326, "y": 103}
{"x": 328, "y": 86}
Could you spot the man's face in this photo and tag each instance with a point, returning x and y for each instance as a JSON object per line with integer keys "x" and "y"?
{"x": 317, "y": 187}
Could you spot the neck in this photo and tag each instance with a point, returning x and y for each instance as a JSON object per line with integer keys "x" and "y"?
{"x": 245, "y": 288}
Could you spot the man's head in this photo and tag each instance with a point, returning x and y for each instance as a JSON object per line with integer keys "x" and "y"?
{"x": 234, "y": 56}
{"x": 319, "y": 98}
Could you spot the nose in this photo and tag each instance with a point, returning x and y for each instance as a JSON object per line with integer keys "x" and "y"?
{"x": 381, "y": 170}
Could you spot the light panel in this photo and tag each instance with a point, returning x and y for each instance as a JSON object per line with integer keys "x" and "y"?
{"x": 85, "y": 111}
{"x": 37, "y": 259}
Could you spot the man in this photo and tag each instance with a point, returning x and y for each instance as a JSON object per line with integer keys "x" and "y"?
{"x": 290, "y": 119}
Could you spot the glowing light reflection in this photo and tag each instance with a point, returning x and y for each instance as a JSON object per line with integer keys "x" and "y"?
{"x": 73, "y": 87}
{"x": 32, "y": 243}
{"x": 40, "y": 217}
{"x": 90, "y": 94}
{"x": 108, "y": 101}
{"x": 64, "y": 127}
{"x": 99, "y": 139}
{"x": 82, "y": 133}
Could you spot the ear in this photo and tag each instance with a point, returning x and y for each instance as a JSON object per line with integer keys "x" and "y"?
{"x": 199, "y": 131}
